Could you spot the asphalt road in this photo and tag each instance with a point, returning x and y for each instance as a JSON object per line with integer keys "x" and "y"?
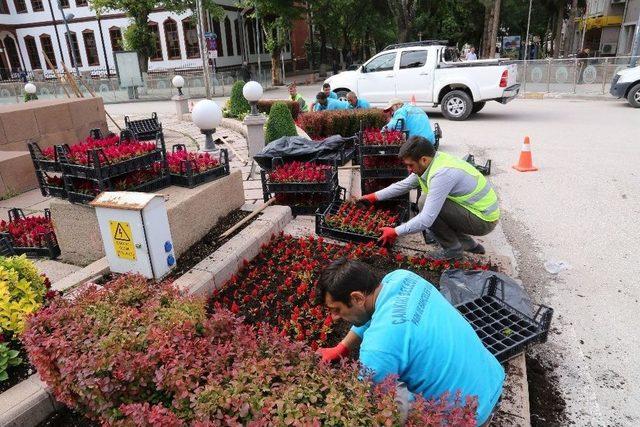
{"x": 582, "y": 208}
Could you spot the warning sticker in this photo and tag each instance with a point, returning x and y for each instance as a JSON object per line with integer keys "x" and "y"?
{"x": 122, "y": 240}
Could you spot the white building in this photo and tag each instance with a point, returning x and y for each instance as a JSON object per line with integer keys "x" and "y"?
{"x": 31, "y": 29}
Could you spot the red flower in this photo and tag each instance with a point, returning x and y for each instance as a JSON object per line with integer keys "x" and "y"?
{"x": 235, "y": 308}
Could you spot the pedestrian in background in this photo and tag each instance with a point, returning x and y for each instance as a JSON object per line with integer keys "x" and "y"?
{"x": 245, "y": 72}
{"x": 471, "y": 55}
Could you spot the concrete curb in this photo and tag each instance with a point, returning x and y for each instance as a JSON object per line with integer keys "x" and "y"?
{"x": 557, "y": 95}
{"x": 216, "y": 269}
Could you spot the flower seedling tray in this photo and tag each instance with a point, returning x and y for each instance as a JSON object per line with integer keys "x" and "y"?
{"x": 47, "y": 189}
{"x": 399, "y": 173}
{"x": 162, "y": 181}
{"x": 323, "y": 229}
{"x": 484, "y": 170}
{"x": 367, "y": 188}
{"x": 42, "y": 163}
{"x": 6, "y": 247}
{"x": 50, "y": 250}
{"x": 144, "y": 129}
{"x": 322, "y": 200}
{"x": 328, "y": 185}
{"x": 504, "y": 331}
{"x": 189, "y": 179}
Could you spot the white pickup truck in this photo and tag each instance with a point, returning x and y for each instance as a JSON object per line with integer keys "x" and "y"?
{"x": 419, "y": 71}
{"x": 626, "y": 83}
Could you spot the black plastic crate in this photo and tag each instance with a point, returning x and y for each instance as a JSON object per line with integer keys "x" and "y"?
{"x": 323, "y": 229}
{"x": 301, "y": 187}
{"x": 504, "y": 331}
{"x": 399, "y": 173}
{"x": 144, "y": 129}
{"x": 40, "y": 162}
{"x": 51, "y": 250}
{"x": 326, "y": 198}
{"x": 189, "y": 179}
{"x": 366, "y": 188}
{"x": 47, "y": 189}
{"x": 162, "y": 181}
{"x": 484, "y": 170}
{"x": 6, "y": 248}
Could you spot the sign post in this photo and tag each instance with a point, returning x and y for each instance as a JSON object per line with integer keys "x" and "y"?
{"x": 212, "y": 53}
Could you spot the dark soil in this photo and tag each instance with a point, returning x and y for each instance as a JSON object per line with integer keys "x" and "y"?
{"x": 18, "y": 373}
{"x": 65, "y": 417}
{"x": 209, "y": 243}
{"x": 546, "y": 401}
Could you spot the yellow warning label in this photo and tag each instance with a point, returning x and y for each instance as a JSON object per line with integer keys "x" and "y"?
{"x": 122, "y": 240}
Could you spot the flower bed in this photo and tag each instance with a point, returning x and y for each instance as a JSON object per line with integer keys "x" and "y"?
{"x": 278, "y": 286}
{"x": 22, "y": 292}
{"x": 31, "y": 235}
{"x": 190, "y": 169}
{"x": 136, "y": 354}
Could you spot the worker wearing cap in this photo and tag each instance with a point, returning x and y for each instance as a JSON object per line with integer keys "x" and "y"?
{"x": 356, "y": 103}
{"x": 295, "y": 96}
{"x": 457, "y": 201}
{"x": 405, "y": 328}
{"x": 416, "y": 121}
{"x": 324, "y": 103}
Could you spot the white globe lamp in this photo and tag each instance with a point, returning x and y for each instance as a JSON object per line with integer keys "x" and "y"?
{"x": 178, "y": 83}
{"x": 252, "y": 92}
{"x": 30, "y": 88}
{"x": 207, "y": 115}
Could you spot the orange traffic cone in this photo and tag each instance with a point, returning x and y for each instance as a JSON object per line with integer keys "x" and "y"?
{"x": 525, "y": 164}
{"x": 413, "y": 100}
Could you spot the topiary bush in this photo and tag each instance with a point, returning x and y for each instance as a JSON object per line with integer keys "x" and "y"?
{"x": 238, "y": 105}
{"x": 280, "y": 123}
{"x": 133, "y": 353}
{"x": 321, "y": 124}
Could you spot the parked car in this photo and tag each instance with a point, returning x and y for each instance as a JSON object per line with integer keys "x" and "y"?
{"x": 626, "y": 83}
{"x": 424, "y": 70}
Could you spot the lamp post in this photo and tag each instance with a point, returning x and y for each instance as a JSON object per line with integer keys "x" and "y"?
{"x": 181, "y": 102}
{"x": 66, "y": 18}
{"x": 178, "y": 83}
{"x": 252, "y": 91}
{"x": 207, "y": 115}
{"x": 30, "y": 90}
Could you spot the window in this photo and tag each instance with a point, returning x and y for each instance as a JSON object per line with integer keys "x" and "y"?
{"x": 76, "y": 49}
{"x": 90, "y": 47}
{"x": 413, "y": 59}
{"x": 32, "y": 51}
{"x": 21, "y": 6}
{"x": 216, "y": 29}
{"x": 4, "y": 7}
{"x": 251, "y": 36}
{"x": 190, "y": 38}
{"x": 47, "y": 49}
{"x": 238, "y": 37}
{"x": 171, "y": 38}
{"x": 37, "y": 5}
{"x": 81, "y": 3}
{"x": 381, "y": 63}
{"x": 12, "y": 53}
{"x": 65, "y": 4}
{"x": 157, "y": 54}
{"x": 116, "y": 39}
{"x": 228, "y": 35}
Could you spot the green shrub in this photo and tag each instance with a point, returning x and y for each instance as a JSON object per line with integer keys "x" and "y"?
{"x": 238, "y": 105}
{"x": 8, "y": 358}
{"x": 321, "y": 124}
{"x": 264, "y": 106}
{"x": 280, "y": 123}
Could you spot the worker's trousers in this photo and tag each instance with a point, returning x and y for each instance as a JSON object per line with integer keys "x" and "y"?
{"x": 455, "y": 225}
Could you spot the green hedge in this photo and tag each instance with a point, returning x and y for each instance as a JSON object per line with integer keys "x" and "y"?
{"x": 264, "y": 106}
{"x": 321, "y": 124}
{"x": 280, "y": 123}
{"x": 238, "y": 105}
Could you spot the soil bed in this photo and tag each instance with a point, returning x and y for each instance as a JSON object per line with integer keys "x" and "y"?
{"x": 18, "y": 373}
{"x": 65, "y": 417}
{"x": 546, "y": 401}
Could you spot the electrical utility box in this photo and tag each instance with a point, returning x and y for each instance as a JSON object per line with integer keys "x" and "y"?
{"x": 135, "y": 233}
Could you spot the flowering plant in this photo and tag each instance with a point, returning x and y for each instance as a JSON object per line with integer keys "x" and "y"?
{"x": 87, "y": 144}
{"x": 376, "y": 137}
{"x": 382, "y": 162}
{"x": 300, "y": 172}
{"x": 113, "y": 150}
{"x": 365, "y": 221}
{"x": 372, "y": 185}
{"x": 29, "y": 231}
{"x": 134, "y": 179}
{"x": 55, "y": 181}
{"x": 200, "y": 162}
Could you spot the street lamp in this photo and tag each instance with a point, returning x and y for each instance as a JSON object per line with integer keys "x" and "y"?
{"x": 178, "y": 83}
{"x": 30, "y": 89}
{"x": 207, "y": 115}
{"x": 252, "y": 92}
{"x": 66, "y": 18}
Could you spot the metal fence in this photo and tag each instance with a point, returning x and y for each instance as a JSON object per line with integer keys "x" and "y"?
{"x": 589, "y": 76}
{"x": 157, "y": 85}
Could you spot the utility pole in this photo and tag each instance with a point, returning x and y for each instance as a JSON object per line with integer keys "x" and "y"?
{"x": 526, "y": 50}
{"x": 204, "y": 52}
{"x": 68, "y": 37}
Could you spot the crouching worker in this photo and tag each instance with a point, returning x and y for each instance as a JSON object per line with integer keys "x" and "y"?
{"x": 406, "y": 328}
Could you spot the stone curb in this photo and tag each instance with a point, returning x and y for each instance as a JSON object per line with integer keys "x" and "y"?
{"x": 217, "y": 268}
{"x": 557, "y": 95}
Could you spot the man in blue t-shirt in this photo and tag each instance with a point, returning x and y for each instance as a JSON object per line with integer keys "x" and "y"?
{"x": 356, "y": 103}
{"x": 326, "y": 88}
{"x": 323, "y": 103}
{"x": 415, "y": 121}
{"x": 405, "y": 327}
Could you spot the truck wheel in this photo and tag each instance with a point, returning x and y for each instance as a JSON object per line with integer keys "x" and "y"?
{"x": 457, "y": 105}
{"x": 634, "y": 96}
{"x": 342, "y": 94}
{"x": 477, "y": 106}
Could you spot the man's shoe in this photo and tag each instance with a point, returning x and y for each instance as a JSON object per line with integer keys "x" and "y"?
{"x": 477, "y": 249}
{"x": 427, "y": 235}
{"x": 449, "y": 254}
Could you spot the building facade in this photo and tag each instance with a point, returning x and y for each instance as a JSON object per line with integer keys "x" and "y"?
{"x": 33, "y": 30}
{"x": 609, "y": 27}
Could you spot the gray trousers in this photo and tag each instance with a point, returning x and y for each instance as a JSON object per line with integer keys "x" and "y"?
{"x": 454, "y": 225}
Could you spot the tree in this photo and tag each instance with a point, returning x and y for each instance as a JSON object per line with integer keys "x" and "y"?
{"x": 491, "y": 22}
{"x": 138, "y": 36}
{"x": 404, "y": 15}
{"x": 277, "y": 18}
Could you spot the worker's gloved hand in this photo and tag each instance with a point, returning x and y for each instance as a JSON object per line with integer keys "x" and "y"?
{"x": 369, "y": 198}
{"x": 333, "y": 354}
{"x": 389, "y": 236}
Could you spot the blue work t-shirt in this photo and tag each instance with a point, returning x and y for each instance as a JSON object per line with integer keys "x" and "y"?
{"x": 361, "y": 104}
{"x": 416, "y": 334}
{"x": 332, "y": 104}
{"x": 332, "y": 95}
{"x": 416, "y": 122}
